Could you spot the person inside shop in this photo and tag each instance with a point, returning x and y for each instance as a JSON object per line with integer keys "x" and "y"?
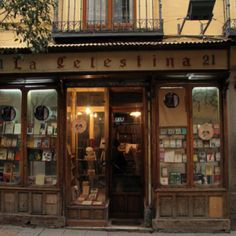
{"x": 118, "y": 158}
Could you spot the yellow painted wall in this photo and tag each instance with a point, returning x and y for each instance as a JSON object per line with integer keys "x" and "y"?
{"x": 173, "y": 12}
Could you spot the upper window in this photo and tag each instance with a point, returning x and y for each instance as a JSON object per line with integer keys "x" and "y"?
{"x": 123, "y": 11}
{"x": 98, "y": 11}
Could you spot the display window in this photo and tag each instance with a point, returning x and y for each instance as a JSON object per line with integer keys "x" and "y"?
{"x": 86, "y": 146}
{"x": 190, "y": 150}
{"x": 206, "y": 136}
{"x": 10, "y": 136}
{"x": 42, "y": 137}
{"x": 173, "y": 132}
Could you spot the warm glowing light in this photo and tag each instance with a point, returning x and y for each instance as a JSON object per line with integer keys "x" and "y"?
{"x": 135, "y": 113}
{"x": 95, "y": 115}
{"x": 79, "y": 113}
{"x": 87, "y": 110}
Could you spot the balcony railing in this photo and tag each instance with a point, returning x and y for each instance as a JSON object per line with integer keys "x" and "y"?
{"x": 229, "y": 27}
{"x": 134, "y": 26}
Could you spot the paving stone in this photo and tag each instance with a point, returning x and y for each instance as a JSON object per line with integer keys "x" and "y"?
{"x": 52, "y": 232}
{"x": 96, "y": 233}
{"x": 74, "y": 232}
{"x": 30, "y": 231}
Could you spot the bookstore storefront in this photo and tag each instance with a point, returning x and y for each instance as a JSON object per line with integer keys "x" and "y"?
{"x": 93, "y": 137}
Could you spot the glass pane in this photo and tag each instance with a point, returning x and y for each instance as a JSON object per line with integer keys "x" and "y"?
{"x": 10, "y": 135}
{"x": 126, "y": 152}
{"x": 172, "y": 136}
{"x": 96, "y": 11}
{"x": 122, "y": 11}
{"x": 86, "y": 145}
{"x": 42, "y": 136}
{"x": 206, "y": 131}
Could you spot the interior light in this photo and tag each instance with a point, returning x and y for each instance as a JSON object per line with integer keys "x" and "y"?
{"x": 135, "y": 113}
{"x": 79, "y": 113}
{"x": 95, "y": 115}
{"x": 87, "y": 110}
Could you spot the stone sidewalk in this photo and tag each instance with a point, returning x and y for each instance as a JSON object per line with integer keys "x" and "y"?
{"x": 8, "y": 230}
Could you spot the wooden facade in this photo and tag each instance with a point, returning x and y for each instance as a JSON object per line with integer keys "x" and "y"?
{"x": 175, "y": 206}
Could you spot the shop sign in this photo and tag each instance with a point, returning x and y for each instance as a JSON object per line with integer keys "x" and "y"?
{"x": 115, "y": 61}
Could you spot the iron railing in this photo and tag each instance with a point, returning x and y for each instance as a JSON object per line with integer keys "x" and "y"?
{"x": 229, "y": 27}
{"x": 138, "y": 25}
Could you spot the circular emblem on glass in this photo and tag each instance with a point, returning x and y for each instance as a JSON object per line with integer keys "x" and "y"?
{"x": 41, "y": 113}
{"x": 171, "y": 100}
{"x": 8, "y": 113}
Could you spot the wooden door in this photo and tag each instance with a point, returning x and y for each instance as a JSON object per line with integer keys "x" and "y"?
{"x": 126, "y": 158}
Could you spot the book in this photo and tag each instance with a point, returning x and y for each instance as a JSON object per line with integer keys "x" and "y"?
{"x": 3, "y": 153}
{"x": 209, "y": 169}
{"x": 30, "y": 129}
{"x": 9, "y": 127}
{"x": 17, "y": 128}
{"x": 14, "y": 142}
{"x": 42, "y": 129}
{"x": 36, "y": 128}
{"x": 47, "y": 156}
{"x": 164, "y": 172}
{"x": 39, "y": 179}
{"x": 178, "y": 158}
{"x": 166, "y": 143}
{"x": 217, "y": 156}
{"x": 17, "y": 156}
{"x": 10, "y": 155}
{"x": 217, "y": 170}
{"x": 164, "y": 181}
{"x": 7, "y": 171}
{"x": 184, "y": 157}
{"x": 37, "y": 142}
{"x": 169, "y": 156}
{"x": 202, "y": 156}
{"x": 172, "y": 143}
{"x": 210, "y": 157}
{"x": 179, "y": 143}
{"x": 50, "y": 130}
{"x": 8, "y": 142}
{"x": 175, "y": 178}
{"x": 45, "y": 143}
{"x": 163, "y": 131}
{"x": 195, "y": 157}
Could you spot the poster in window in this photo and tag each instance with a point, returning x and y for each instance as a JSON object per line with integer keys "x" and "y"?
{"x": 8, "y": 113}
{"x": 171, "y": 100}
{"x": 41, "y": 112}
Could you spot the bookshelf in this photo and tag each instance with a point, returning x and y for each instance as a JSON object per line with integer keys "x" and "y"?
{"x": 173, "y": 155}
{"x": 41, "y": 151}
{"x": 207, "y": 154}
{"x": 10, "y": 152}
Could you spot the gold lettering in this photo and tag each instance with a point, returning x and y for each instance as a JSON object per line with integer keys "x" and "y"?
{"x": 186, "y": 61}
{"x": 139, "y": 59}
{"x": 123, "y": 63}
{"x": 154, "y": 60}
{"x": 107, "y": 62}
{"x": 170, "y": 62}
{"x": 92, "y": 62}
{"x": 60, "y": 62}
{"x": 77, "y": 63}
